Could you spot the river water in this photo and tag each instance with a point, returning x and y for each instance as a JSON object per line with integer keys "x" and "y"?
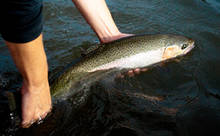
{"x": 180, "y": 98}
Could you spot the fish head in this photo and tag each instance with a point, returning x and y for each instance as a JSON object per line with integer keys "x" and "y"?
{"x": 177, "y": 46}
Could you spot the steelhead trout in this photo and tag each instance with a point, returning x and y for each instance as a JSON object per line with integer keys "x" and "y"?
{"x": 127, "y": 53}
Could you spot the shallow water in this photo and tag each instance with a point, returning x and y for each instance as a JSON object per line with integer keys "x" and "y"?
{"x": 177, "y": 99}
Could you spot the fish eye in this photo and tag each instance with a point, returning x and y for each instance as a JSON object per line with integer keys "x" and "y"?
{"x": 184, "y": 46}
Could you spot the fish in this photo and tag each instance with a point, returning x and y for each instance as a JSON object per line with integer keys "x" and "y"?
{"x": 132, "y": 52}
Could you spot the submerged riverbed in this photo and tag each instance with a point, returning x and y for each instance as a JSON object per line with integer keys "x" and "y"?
{"x": 176, "y": 99}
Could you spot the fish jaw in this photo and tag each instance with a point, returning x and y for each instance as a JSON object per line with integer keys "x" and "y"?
{"x": 191, "y": 46}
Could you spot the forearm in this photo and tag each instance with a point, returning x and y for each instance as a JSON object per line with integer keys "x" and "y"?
{"x": 30, "y": 59}
{"x": 98, "y": 16}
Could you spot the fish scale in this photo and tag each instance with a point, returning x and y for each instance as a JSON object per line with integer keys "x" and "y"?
{"x": 126, "y": 53}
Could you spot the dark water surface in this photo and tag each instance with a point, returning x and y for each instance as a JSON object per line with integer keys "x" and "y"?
{"x": 177, "y": 99}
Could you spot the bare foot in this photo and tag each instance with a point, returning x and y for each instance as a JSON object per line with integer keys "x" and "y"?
{"x": 36, "y": 104}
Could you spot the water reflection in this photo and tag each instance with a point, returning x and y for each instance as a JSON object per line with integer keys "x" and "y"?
{"x": 180, "y": 98}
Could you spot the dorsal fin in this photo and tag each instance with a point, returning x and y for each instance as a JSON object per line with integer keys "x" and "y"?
{"x": 88, "y": 47}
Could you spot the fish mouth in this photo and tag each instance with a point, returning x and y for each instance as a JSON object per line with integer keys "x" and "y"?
{"x": 190, "y": 47}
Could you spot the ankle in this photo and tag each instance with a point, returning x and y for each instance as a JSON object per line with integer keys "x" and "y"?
{"x": 35, "y": 87}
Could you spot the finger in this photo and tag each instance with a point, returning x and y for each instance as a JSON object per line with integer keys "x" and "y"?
{"x": 130, "y": 73}
{"x": 144, "y": 69}
{"x": 43, "y": 116}
{"x": 177, "y": 60}
{"x": 27, "y": 124}
{"x": 137, "y": 71}
{"x": 162, "y": 64}
{"x": 120, "y": 76}
{"x": 40, "y": 120}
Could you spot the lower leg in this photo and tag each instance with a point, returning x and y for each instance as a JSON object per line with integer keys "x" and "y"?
{"x": 30, "y": 59}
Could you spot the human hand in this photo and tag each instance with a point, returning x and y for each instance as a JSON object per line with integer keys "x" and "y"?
{"x": 132, "y": 72}
{"x": 115, "y": 37}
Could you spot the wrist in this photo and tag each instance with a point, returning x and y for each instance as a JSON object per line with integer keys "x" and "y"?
{"x": 114, "y": 37}
{"x": 107, "y": 32}
{"x": 107, "y": 37}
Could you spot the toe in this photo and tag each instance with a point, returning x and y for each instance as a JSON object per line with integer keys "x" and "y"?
{"x": 27, "y": 124}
